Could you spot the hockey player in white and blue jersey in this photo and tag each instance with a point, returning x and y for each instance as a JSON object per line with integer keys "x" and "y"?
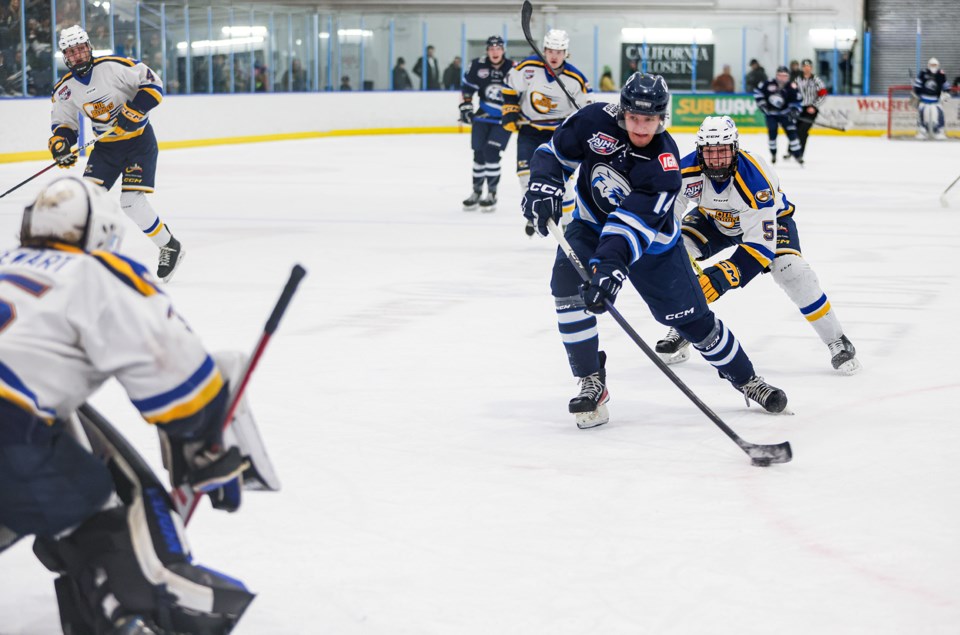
{"x": 929, "y": 89}
{"x": 488, "y": 138}
{"x": 74, "y": 314}
{"x": 738, "y": 202}
{"x": 624, "y": 227}
{"x": 116, "y": 94}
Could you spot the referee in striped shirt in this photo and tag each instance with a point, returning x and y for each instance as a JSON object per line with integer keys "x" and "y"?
{"x": 813, "y": 92}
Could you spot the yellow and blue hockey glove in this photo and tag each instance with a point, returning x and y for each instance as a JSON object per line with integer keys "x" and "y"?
{"x": 130, "y": 119}
{"x": 719, "y": 279}
{"x": 60, "y": 149}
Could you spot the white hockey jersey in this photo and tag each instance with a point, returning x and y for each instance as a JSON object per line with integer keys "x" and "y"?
{"x": 541, "y": 100}
{"x": 70, "y": 320}
{"x": 101, "y": 92}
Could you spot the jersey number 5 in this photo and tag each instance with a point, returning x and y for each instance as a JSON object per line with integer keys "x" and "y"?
{"x": 769, "y": 229}
{"x": 8, "y": 313}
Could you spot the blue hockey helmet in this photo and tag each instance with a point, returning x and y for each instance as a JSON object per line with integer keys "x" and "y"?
{"x": 494, "y": 40}
{"x": 644, "y": 95}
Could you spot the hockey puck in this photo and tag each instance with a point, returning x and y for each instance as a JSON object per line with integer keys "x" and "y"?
{"x": 760, "y": 462}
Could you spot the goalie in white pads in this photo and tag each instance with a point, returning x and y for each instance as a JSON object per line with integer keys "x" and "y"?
{"x": 929, "y": 91}
{"x": 73, "y": 315}
{"x": 738, "y": 202}
{"x": 115, "y": 93}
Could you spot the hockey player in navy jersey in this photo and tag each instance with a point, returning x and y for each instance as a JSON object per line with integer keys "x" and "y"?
{"x": 624, "y": 227}
{"x": 739, "y": 203}
{"x": 74, "y": 314}
{"x": 780, "y": 101}
{"x": 929, "y": 89}
{"x": 488, "y": 138}
{"x": 116, "y": 93}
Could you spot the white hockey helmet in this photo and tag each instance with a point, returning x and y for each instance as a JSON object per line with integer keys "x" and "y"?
{"x": 72, "y": 36}
{"x": 718, "y": 131}
{"x": 75, "y": 212}
{"x": 75, "y": 36}
{"x": 556, "y": 39}
{"x": 933, "y": 64}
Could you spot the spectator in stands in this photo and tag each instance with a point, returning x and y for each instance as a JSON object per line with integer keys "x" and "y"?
{"x": 795, "y": 71}
{"x": 433, "y": 70}
{"x": 452, "y": 75}
{"x": 401, "y": 78}
{"x": 607, "y": 84}
{"x": 723, "y": 83}
{"x": 298, "y": 82}
{"x": 755, "y": 76}
{"x": 260, "y": 84}
{"x": 345, "y": 83}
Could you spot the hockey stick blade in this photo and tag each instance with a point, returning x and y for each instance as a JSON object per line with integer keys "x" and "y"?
{"x": 764, "y": 455}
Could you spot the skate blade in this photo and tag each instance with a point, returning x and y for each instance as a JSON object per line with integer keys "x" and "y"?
{"x": 598, "y": 417}
{"x": 180, "y": 258}
{"x": 675, "y": 358}
{"x": 470, "y": 208}
{"x": 850, "y": 367}
{"x": 488, "y": 209}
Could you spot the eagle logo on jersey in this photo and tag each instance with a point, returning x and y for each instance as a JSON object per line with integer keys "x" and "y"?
{"x": 603, "y": 143}
{"x": 493, "y": 94}
{"x": 609, "y": 188}
{"x": 542, "y": 103}
{"x": 693, "y": 190}
{"x": 98, "y": 111}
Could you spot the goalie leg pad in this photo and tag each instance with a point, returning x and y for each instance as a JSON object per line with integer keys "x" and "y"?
{"x": 243, "y": 432}
{"x": 794, "y": 275}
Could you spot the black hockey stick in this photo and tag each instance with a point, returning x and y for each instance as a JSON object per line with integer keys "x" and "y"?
{"x": 54, "y": 164}
{"x": 526, "y": 12}
{"x": 760, "y": 455}
{"x": 813, "y": 122}
{"x": 943, "y": 197}
{"x": 185, "y": 498}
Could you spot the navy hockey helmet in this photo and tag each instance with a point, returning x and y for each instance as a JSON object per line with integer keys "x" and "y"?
{"x": 644, "y": 95}
{"x": 494, "y": 40}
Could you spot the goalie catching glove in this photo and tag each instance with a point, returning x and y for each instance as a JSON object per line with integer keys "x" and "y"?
{"x": 719, "y": 279}
{"x": 60, "y": 149}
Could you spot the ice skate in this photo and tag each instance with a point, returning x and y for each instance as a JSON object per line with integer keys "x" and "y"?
{"x": 470, "y": 204}
{"x": 939, "y": 136}
{"x": 171, "y": 255}
{"x": 132, "y": 625}
{"x": 773, "y": 158}
{"x": 489, "y": 202}
{"x": 844, "y": 356}
{"x": 673, "y": 349}
{"x": 590, "y": 405}
{"x": 770, "y": 398}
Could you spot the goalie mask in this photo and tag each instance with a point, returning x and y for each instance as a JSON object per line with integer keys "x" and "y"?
{"x": 718, "y": 148}
{"x": 933, "y": 65}
{"x": 75, "y": 212}
{"x": 75, "y": 46}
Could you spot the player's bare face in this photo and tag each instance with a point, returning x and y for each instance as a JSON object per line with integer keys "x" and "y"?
{"x": 77, "y": 55}
{"x": 717, "y": 157}
{"x": 807, "y": 70}
{"x": 495, "y": 54}
{"x": 783, "y": 78}
{"x": 641, "y": 128}
{"x": 554, "y": 58}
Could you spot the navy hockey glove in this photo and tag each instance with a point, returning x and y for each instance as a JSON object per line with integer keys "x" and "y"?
{"x": 510, "y": 119}
{"x": 604, "y": 285}
{"x": 206, "y": 468}
{"x": 466, "y": 112}
{"x": 792, "y": 115}
{"x": 60, "y": 149}
{"x": 542, "y": 202}
{"x": 130, "y": 119}
{"x": 719, "y": 279}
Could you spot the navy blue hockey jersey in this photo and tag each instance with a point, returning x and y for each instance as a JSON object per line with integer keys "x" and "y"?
{"x": 486, "y": 80}
{"x": 928, "y": 85}
{"x": 774, "y": 99}
{"x": 623, "y": 192}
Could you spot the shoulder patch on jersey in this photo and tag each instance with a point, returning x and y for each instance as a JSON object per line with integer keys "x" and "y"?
{"x": 603, "y": 143}
{"x": 612, "y": 109}
{"x": 64, "y": 93}
{"x": 668, "y": 162}
{"x": 763, "y": 195}
{"x": 693, "y": 190}
{"x": 483, "y": 73}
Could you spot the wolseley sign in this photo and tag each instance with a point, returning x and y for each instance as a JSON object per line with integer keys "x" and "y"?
{"x": 674, "y": 61}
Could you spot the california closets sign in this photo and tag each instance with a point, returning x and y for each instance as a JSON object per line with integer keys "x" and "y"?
{"x": 674, "y": 61}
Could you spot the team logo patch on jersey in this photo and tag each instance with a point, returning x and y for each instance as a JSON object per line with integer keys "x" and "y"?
{"x": 528, "y": 73}
{"x": 542, "y": 103}
{"x": 130, "y": 169}
{"x": 668, "y": 162}
{"x": 608, "y": 187}
{"x": 483, "y": 73}
{"x": 493, "y": 93}
{"x": 763, "y": 196}
{"x": 612, "y": 109}
{"x": 693, "y": 190}
{"x": 603, "y": 143}
{"x": 64, "y": 93}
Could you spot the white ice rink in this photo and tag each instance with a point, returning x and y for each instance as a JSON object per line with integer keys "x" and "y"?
{"x": 414, "y": 401}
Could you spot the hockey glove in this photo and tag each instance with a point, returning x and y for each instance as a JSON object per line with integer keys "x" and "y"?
{"x": 130, "y": 119}
{"x": 510, "y": 119}
{"x": 542, "y": 202}
{"x": 60, "y": 149}
{"x": 604, "y": 285}
{"x": 466, "y": 112}
{"x": 719, "y": 279}
{"x": 206, "y": 468}
{"x": 792, "y": 115}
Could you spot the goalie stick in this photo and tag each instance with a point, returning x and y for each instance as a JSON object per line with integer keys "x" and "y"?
{"x": 75, "y": 150}
{"x": 185, "y": 498}
{"x": 760, "y": 455}
{"x": 943, "y": 197}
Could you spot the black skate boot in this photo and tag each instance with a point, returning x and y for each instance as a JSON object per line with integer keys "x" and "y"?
{"x": 590, "y": 405}
{"x": 844, "y": 356}
{"x": 171, "y": 255}
{"x": 470, "y": 204}
{"x": 771, "y": 398}
{"x": 133, "y": 625}
{"x": 673, "y": 349}
{"x": 489, "y": 202}
{"x": 773, "y": 157}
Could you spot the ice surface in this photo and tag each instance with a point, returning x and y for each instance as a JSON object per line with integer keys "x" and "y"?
{"x": 414, "y": 401}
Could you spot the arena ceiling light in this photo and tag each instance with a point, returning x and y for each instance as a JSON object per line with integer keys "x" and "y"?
{"x": 220, "y": 46}
{"x": 244, "y": 31}
{"x": 666, "y": 35}
{"x": 825, "y": 38}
